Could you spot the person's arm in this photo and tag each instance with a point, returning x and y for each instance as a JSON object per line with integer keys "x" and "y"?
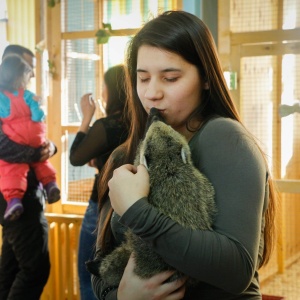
{"x": 4, "y": 106}
{"x": 33, "y": 102}
{"x": 131, "y": 286}
{"x": 134, "y": 288}
{"x": 16, "y": 153}
{"x": 227, "y": 256}
{"x": 90, "y": 142}
{"x": 102, "y": 291}
{"x": 87, "y": 146}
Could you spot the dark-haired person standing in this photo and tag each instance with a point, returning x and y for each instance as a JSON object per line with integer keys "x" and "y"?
{"x": 25, "y": 262}
{"x": 93, "y": 145}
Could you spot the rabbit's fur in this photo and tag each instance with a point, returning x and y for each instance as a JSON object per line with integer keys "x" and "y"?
{"x": 177, "y": 189}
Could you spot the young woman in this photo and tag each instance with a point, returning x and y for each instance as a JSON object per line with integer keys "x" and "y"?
{"x": 93, "y": 145}
{"x": 173, "y": 65}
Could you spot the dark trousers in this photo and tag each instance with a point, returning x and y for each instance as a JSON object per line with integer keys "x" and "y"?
{"x": 25, "y": 263}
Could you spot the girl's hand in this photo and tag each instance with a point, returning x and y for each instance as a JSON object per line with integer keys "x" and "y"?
{"x": 88, "y": 108}
{"x": 128, "y": 184}
{"x": 133, "y": 288}
{"x": 92, "y": 163}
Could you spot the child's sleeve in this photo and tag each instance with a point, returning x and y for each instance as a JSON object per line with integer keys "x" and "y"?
{"x": 37, "y": 114}
{"x": 4, "y": 106}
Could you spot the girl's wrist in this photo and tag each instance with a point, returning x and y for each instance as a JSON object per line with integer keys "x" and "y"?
{"x": 85, "y": 124}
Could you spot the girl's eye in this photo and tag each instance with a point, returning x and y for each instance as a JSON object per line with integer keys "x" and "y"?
{"x": 167, "y": 79}
{"x": 173, "y": 79}
{"x": 144, "y": 79}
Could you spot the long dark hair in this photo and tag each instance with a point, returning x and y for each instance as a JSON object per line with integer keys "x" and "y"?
{"x": 186, "y": 35}
{"x": 114, "y": 79}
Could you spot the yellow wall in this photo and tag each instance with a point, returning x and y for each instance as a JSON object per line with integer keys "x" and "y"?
{"x": 21, "y": 23}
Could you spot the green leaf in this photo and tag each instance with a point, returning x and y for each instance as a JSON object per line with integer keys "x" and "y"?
{"x": 102, "y": 36}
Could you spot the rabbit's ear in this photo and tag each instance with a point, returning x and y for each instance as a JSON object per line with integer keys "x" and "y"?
{"x": 143, "y": 161}
{"x": 183, "y": 155}
{"x": 93, "y": 266}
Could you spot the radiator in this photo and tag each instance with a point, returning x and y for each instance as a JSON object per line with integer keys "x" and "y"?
{"x": 63, "y": 247}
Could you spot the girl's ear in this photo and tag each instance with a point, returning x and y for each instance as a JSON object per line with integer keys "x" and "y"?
{"x": 206, "y": 86}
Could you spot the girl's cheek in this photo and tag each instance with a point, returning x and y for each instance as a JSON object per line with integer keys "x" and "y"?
{"x": 140, "y": 95}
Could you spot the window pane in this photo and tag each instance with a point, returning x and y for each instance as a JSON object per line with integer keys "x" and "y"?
{"x": 114, "y": 51}
{"x": 80, "y": 179}
{"x": 78, "y": 15}
{"x": 257, "y": 94}
{"x": 122, "y": 14}
{"x": 290, "y": 124}
{"x": 81, "y": 65}
{"x": 291, "y": 14}
{"x": 132, "y": 13}
{"x": 255, "y": 15}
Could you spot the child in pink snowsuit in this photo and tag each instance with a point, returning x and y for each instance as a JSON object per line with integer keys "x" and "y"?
{"x": 22, "y": 121}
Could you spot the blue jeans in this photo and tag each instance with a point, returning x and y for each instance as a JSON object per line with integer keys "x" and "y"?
{"x": 86, "y": 251}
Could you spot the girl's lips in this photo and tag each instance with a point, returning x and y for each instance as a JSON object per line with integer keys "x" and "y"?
{"x": 160, "y": 110}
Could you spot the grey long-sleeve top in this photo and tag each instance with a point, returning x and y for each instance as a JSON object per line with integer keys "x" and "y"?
{"x": 225, "y": 259}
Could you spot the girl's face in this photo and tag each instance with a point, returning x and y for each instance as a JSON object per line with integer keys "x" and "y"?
{"x": 169, "y": 83}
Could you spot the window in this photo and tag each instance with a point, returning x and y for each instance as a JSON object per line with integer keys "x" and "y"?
{"x": 265, "y": 38}
{"x": 81, "y": 65}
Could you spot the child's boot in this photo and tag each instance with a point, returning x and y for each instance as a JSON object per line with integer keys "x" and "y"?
{"x": 13, "y": 210}
{"x": 53, "y": 192}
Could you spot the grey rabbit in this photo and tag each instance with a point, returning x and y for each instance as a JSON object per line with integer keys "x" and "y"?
{"x": 177, "y": 189}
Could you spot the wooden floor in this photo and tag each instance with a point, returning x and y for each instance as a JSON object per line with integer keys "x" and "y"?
{"x": 286, "y": 285}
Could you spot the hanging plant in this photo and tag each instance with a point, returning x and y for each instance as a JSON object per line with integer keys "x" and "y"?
{"x": 51, "y": 3}
{"x": 103, "y": 34}
{"x": 51, "y": 66}
{"x": 40, "y": 47}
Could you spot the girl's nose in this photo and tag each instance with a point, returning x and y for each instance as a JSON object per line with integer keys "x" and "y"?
{"x": 154, "y": 92}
